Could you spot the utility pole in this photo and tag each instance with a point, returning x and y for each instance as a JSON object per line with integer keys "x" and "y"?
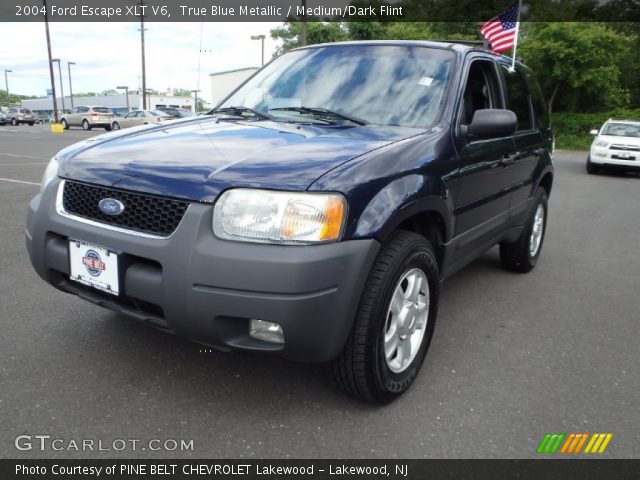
{"x": 70, "y": 88}
{"x": 60, "y": 75}
{"x": 144, "y": 75}
{"x": 6, "y": 84}
{"x": 195, "y": 108}
{"x": 53, "y": 83}
{"x": 303, "y": 25}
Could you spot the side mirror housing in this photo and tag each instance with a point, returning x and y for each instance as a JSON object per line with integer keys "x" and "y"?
{"x": 594, "y": 132}
{"x": 492, "y": 123}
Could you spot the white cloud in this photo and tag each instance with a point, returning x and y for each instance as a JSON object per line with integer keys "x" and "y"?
{"x": 108, "y": 54}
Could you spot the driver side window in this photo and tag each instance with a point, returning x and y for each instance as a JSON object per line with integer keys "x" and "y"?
{"x": 480, "y": 91}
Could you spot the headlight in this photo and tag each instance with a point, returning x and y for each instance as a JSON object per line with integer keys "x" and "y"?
{"x": 50, "y": 173}
{"x": 600, "y": 143}
{"x": 266, "y": 216}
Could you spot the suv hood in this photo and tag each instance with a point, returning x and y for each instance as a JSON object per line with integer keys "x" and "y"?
{"x": 197, "y": 159}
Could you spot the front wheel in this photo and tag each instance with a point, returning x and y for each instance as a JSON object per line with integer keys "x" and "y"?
{"x": 85, "y": 125}
{"x": 394, "y": 324}
{"x": 65, "y": 125}
{"x": 522, "y": 255}
{"x": 115, "y": 126}
{"x": 591, "y": 167}
{"x": 14, "y": 122}
{"x": 31, "y": 124}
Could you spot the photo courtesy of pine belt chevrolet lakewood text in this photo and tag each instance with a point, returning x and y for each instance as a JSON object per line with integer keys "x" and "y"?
{"x": 314, "y": 212}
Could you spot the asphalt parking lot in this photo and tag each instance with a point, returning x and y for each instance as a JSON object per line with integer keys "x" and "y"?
{"x": 513, "y": 357}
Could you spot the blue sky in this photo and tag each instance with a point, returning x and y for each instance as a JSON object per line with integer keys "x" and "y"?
{"x": 108, "y": 54}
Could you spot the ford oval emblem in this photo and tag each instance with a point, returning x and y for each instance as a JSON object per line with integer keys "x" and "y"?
{"x": 111, "y": 206}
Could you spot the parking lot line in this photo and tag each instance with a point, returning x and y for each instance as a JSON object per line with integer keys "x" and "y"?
{"x": 22, "y": 156}
{"x": 21, "y": 164}
{"x": 18, "y": 181}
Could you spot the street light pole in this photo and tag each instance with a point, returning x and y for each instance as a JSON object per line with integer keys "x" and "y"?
{"x": 144, "y": 75}
{"x": 70, "y": 87}
{"x": 260, "y": 37}
{"x": 6, "y": 84}
{"x": 195, "y": 108}
{"x": 126, "y": 91}
{"x": 53, "y": 83}
{"x": 61, "y": 87}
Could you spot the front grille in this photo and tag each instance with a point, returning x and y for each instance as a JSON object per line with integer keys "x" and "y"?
{"x": 142, "y": 213}
{"x": 628, "y": 148}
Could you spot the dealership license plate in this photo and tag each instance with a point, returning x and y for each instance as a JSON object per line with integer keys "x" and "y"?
{"x": 94, "y": 266}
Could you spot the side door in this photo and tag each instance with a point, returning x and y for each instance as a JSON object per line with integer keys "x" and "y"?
{"x": 481, "y": 202}
{"x": 528, "y": 138}
{"x": 130, "y": 119}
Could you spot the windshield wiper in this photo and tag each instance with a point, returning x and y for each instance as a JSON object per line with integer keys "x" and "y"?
{"x": 239, "y": 110}
{"x": 323, "y": 112}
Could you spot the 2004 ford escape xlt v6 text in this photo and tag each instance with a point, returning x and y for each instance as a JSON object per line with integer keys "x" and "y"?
{"x": 314, "y": 213}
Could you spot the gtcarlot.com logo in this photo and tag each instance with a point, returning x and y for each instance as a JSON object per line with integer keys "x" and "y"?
{"x": 45, "y": 443}
{"x": 573, "y": 443}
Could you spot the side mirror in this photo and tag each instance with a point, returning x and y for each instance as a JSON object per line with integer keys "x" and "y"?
{"x": 492, "y": 123}
{"x": 594, "y": 132}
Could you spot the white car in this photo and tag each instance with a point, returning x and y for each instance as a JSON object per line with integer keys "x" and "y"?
{"x": 617, "y": 144}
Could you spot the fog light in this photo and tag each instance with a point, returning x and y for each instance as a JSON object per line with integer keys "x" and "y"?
{"x": 267, "y": 331}
{"x": 601, "y": 155}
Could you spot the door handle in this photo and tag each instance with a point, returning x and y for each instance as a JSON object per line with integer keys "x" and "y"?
{"x": 509, "y": 159}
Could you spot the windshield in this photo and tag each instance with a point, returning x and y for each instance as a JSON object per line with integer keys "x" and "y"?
{"x": 622, "y": 130}
{"x": 379, "y": 84}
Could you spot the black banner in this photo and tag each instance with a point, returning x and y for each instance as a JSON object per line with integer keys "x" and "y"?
{"x": 313, "y": 10}
{"x": 319, "y": 469}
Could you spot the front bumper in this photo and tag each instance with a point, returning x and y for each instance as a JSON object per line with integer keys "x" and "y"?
{"x": 606, "y": 157}
{"x": 207, "y": 289}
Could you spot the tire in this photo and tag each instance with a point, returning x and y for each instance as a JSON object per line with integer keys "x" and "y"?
{"x": 31, "y": 124}
{"x": 362, "y": 370}
{"x": 108, "y": 128}
{"x": 14, "y": 122}
{"x": 591, "y": 167}
{"x": 85, "y": 125}
{"x": 522, "y": 255}
{"x": 64, "y": 123}
{"x": 115, "y": 126}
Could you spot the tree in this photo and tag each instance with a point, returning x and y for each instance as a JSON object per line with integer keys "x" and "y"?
{"x": 578, "y": 64}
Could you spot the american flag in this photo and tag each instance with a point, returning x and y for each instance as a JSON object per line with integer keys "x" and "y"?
{"x": 502, "y": 29}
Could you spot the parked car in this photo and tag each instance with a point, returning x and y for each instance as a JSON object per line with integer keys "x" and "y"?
{"x": 139, "y": 117}
{"x": 177, "y": 112}
{"x": 615, "y": 145}
{"x": 43, "y": 119}
{"x": 87, "y": 117}
{"x": 3, "y": 118}
{"x": 16, "y": 116}
{"x": 311, "y": 216}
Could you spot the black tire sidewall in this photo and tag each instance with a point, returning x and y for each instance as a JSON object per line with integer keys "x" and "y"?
{"x": 421, "y": 257}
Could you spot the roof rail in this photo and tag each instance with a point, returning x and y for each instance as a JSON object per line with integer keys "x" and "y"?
{"x": 463, "y": 42}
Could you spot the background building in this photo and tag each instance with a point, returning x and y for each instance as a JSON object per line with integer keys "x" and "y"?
{"x": 223, "y": 83}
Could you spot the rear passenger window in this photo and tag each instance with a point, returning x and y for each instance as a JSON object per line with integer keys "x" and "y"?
{"x": 518, "y": 98}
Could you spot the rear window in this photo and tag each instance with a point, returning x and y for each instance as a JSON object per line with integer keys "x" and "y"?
{"x": 101, "y": 110}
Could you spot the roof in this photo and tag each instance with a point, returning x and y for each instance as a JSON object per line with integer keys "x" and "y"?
{"x": 234, "y": 71}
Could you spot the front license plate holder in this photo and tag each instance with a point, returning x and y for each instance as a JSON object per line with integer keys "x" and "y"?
{"x": 94, "y": 266}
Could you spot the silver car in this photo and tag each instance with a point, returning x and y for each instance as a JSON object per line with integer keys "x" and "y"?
{"x": 140, "y": 117}
{"x": 87, "y": 118}
{"x": 20, "y": 115}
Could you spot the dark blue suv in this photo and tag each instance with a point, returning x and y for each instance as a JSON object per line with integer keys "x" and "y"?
{"x": 314, "y": 212}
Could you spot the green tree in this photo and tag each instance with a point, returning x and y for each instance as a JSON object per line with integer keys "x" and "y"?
{"x": 578, "y": 64}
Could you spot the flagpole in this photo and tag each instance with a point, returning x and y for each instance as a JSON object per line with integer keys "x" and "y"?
{"x": 515, "y": 41}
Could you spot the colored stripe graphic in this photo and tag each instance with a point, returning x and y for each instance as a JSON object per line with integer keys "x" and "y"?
{"x": 551, "y": 442}
{"x": 574, "y": 443}
{"x": 598, "y": 442}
